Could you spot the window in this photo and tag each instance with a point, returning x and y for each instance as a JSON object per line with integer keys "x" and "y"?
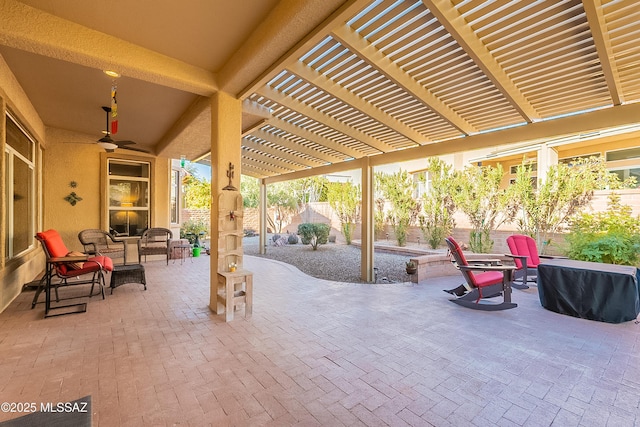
{"x": 20, "y": 189}
{"x": 630, "y": 153}
{"x": 533, "y": 167}
{"x": 175, "y": 196}
{"x": 571, "y": 160}
{"x": 533, "y": 179}
{"x": 628, "y": 173}
{"x": 421, "y": 184}
{"x": 128, "y": 187}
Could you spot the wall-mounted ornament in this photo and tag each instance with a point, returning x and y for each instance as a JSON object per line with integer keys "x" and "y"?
{"x": 73, "y": 184}
{"x": 73, "y": 198}
{"x": 230, "y": 174}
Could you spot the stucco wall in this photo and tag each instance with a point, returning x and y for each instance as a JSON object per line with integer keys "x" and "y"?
{"x": 65, "y": 162}
{"x": 84, "y": 162}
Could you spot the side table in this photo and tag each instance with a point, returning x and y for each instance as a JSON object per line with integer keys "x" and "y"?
{"x": 234, "y": 289}
{"x": 182, "y": 251}
{"x": 123, "y": 274}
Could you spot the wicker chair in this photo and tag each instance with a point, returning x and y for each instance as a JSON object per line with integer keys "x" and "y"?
{"x": 154, "y": 241}
{"x": 98, "y": 242}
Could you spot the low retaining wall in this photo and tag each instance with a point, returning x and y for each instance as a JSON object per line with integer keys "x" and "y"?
{"x": 441, "y": 265}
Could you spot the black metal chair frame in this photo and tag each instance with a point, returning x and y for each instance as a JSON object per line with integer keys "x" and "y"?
{"x": 53, "y": 270}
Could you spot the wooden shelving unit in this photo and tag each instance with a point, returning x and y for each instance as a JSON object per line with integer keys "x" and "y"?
{"x": 230, "y": 230}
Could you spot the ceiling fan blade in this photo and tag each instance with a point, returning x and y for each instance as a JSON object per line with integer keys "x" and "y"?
{"x": 141, "y": 150}
{"x": 125, "y": 142}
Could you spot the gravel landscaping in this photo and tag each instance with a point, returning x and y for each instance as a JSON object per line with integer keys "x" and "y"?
{"x": 333, "y": 261}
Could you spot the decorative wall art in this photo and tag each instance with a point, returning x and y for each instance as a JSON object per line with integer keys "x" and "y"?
{"x": 73, "y": 198}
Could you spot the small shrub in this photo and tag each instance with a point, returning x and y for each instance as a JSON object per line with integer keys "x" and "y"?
{"x": 275, "y": 237}
{"x": 611, "y": 237}
{"x": 313, "y": 234}
{"x": 192, "y": 230}
{"x": 292, "y": 239}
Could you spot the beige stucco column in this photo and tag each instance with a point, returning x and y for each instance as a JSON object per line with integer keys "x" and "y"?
{"x": 226, "y": 137}
{"x": 263, "y": 217}
{"x": 547, "y": 157}
{"x": 367, "y": 222}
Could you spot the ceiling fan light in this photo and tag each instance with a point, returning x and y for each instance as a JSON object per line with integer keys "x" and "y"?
{"x": 108, "y": 146}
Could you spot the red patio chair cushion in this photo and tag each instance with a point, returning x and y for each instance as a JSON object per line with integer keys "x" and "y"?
{"x": 520, "y": 244}
{"x": 93, "y": 262}
{"x": 486, "y": 278}
{"x": 54, "y": 243}
{"x": 57, "y": 249}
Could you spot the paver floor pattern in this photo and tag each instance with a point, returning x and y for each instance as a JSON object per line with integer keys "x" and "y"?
{"x": 319, "y": 353}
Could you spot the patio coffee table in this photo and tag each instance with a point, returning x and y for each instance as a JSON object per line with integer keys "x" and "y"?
{"x": 123, "y": 274}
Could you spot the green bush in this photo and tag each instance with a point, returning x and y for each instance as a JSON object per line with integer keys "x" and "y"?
{"x": 192, "y": 230}
{"x": 611, "y": 237}
{"x": 613, "y": 248}
{"x": 292, "y": 239}
{"x": 313, "y": 234}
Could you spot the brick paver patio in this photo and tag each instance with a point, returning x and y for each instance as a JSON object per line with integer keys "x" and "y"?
{"x": 319, "y": 353}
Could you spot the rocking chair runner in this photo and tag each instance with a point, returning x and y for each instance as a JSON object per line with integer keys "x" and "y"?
{"x": 484, "y": 281}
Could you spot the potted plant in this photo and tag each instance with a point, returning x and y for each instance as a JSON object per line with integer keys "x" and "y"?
{"x": 412, "y": 267}
{"x": 194, "y": 230}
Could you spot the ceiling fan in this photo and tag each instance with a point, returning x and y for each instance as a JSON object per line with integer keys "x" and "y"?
{"x": 110, "y": 145}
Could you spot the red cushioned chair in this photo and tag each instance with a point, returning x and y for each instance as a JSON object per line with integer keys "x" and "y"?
{"x": 483, "y": 281}
{"x": 68, "y": 265}
{"x": 525, "y": 256}
{"x": 524, "y": 252}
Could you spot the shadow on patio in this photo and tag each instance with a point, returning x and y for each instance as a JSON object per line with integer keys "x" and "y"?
{"x": 318, "y": 353}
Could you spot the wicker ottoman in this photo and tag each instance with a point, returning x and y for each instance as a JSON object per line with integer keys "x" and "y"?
{"x": 123, "y": 274}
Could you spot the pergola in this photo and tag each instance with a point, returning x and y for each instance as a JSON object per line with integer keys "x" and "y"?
{"x": 386, "y": 82}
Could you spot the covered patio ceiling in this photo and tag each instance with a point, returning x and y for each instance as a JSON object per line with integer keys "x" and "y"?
{"x": 343, "y": 80}
{"x": 397, "y": 75}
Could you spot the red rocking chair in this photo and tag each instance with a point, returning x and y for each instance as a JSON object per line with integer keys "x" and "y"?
{"x": 483, "y": 281}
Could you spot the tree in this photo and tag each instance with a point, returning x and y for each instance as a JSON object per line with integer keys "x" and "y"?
{"x": 477, "y": 193}
{"x": 438, "y": 204}
{"x": 283, "y": 201}
{"x": 309, "y": 190}
{"x": 197, "y": 190}
{"x": 344, "y": 199}
{"x": 250, "y": 190}
{"x": 565, "y": 191}
{"x": 398, "y": 188}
